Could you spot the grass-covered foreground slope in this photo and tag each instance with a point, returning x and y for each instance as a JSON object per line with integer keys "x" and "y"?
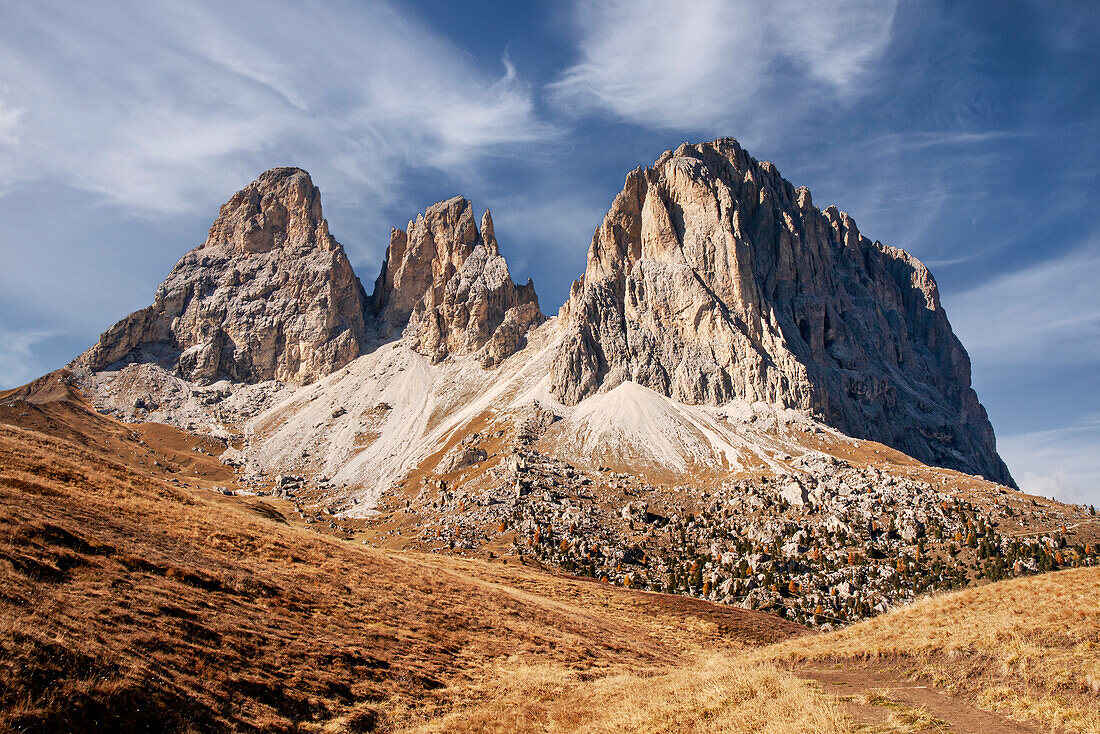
{"x": 134, "y": 598}
{"x": 130, "y": 604}
{"x": 1027, "y": 647}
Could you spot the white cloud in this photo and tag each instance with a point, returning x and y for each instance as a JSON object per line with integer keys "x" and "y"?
{"x": 9, "y": 121}
{"x": 164, "y": 106}
{"x": 1043, "y": 320}
{"x": 1059, "y": 463}
{"x": 1030, "y": 316}
{"x": 709, "y": 64}
{"x": 17, "y": 362}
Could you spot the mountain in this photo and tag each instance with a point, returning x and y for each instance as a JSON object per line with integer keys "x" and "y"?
{"x": 743, "y": 396}
{"x": 447, "y": 286}
{"x": 712, "y": 278}
{"x": 270, "y": 295}
{"x": 271, "y": 502}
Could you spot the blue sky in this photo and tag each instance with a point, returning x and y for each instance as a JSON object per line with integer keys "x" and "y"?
{"x": 966, "y": 133}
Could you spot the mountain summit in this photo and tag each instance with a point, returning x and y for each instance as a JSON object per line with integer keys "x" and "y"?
{"x": 447, "y": 286}
{"x": 270, "y": 295}
{"x": 712, "y": 278}
{"x": 743, "y": 398}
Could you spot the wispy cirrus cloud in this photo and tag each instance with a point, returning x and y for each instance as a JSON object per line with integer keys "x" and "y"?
{"x": 123, "y": 126}
{"x": 1034, "y": 334}
{"x": 155, "y": 106}
{"x": 1027, "y": 316}
{"x": 17, "y": 363}
{"x": 708, "y": 65}
{"x": 9, "y": 121}
{"x": 1057, "y": 463}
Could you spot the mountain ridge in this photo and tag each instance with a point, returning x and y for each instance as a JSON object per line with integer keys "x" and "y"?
{"x": 269, "y": 294}
{"x": 712, "y": 279}
{"x": 691, "y": 450}
{"x": 446, "y": 284}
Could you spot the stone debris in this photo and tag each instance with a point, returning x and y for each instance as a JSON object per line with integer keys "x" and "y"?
{"x": 854, "y": 542}
{"x": 286, "y": 486}
{"x": 468, "y": 453}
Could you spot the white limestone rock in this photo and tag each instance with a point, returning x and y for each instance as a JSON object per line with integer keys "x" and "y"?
{"x": 447, "y": 288}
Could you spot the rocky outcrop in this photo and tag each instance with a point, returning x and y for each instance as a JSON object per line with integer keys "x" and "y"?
{"x": 712, "y": 278}
{"x": 269, "y": 295}
{"x": 447, "y": 288}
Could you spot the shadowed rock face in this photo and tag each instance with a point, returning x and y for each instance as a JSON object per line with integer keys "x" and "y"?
{"x": 712, "y": 278}
{"x": 448, "y": 288}
{"x": 269, "y": 295}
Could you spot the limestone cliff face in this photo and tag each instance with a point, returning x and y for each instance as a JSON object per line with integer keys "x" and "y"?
{"x": 269, "y": 295}
{"x": 447, "y": 287}
{"x": 712, "y": 278}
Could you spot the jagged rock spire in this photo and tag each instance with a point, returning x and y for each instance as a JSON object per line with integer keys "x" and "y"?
{"x": 487, "y": 234}
{"x": 445, "y": 285}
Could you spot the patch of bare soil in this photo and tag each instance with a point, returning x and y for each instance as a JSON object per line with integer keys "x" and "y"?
{"x": 884, "y": 699}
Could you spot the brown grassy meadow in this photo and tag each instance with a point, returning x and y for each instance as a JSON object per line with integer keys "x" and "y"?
{"x": 133, "y": 598}
{"x": 131, "y": 604}
{"x": 1026, "y": 647}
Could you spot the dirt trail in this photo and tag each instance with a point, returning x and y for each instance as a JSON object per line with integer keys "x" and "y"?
{"x": 887, "y": 700}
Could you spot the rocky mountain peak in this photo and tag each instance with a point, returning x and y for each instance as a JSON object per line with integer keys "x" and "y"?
{"x": 446, "y": 285}
{"x": 269, "y": 295}
{"x": 281, "y": 208}
{"x": 422, "y": 257}
{"x": 713, "y": 278}
{"x": 488, "y": 236}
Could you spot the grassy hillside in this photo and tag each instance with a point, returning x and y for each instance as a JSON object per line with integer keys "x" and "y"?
{"x": 133, "y": 597}
{"x": 1027, "y": 647}
{"x": 130, "y": 604}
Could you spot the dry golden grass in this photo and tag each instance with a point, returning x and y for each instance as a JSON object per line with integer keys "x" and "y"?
{"x": 1026, "y": 647}
{"x": 720, "y": 693}
{"x": 128, "y": 604}
{"x": 674, "y": 621}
